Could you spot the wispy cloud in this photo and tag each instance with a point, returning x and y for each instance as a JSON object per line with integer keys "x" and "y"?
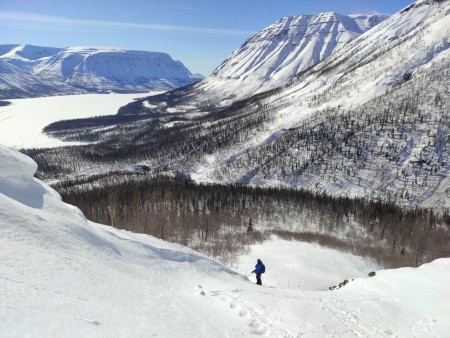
{"x": 370, "y": 11}
{"x": 187, "y": 8}
{"x": 34, "y": 17}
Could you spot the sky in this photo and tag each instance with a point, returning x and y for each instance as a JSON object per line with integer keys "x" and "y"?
{"x": 199, "y": 33}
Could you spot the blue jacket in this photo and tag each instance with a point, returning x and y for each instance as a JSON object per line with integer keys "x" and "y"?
{"x": 259, "y": 268}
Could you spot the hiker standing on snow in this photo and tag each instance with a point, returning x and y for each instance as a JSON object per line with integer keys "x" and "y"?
{"x": 259, "y": 269}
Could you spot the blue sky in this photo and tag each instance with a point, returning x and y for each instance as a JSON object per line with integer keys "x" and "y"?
{"x": 199, "y": 33}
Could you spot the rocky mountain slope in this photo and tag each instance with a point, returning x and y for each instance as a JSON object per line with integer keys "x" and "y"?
{"x": 29, "y": 71}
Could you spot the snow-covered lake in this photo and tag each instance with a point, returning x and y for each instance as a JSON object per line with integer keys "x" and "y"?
{"x": 22, "y": 121}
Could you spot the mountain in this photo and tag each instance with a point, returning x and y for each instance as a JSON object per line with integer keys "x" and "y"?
{"x": 271, "y": 58}
{"x": 369, "y": 121}
{"x": 29, "y": 71}
{"x": 63, "y": 275}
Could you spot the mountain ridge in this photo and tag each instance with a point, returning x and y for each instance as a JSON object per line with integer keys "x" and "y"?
{"x": 274, "y": 55}
{"x": 314, "y": 36}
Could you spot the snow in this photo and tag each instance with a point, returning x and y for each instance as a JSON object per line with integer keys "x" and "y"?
{"x": 303, "y": 266}
{"x": 63, "y": 275}
{"x": 21, "y": 122}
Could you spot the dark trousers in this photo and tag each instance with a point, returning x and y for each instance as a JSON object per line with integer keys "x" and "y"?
{"x": 258, "y": 279}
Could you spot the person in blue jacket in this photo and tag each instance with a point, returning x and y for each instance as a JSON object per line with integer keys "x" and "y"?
{"x": 259, "y": 269}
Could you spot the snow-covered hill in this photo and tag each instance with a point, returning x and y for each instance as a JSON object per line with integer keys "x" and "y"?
{"x": 29, "y": 71}
{"x": 62, "y": 275}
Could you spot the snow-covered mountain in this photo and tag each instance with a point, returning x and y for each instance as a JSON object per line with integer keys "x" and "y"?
{"x": 367, "y": 121}
{"x": 65, "y": 276}
{"x": 272, "y": 57}
{"x": 28, "y": 71}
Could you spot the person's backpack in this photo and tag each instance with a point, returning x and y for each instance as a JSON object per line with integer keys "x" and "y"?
{"x": 263, "y": 268}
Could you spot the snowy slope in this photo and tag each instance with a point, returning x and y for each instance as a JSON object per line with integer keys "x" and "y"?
{"x": 39, "y": 71}
{"x": 65, "y": 276}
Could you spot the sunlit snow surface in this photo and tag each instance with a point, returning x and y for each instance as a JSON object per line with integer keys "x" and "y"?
{"x": 22, "y": 121}
{"x": 63, "y": 276}
{"x": 303, "y": 266}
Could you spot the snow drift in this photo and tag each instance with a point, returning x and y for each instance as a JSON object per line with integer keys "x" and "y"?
{"x": 65, "y": 276}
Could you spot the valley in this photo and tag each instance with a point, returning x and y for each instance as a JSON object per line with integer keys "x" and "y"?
{"x": 136, "y": 197}
{"x": 368, "y": 122}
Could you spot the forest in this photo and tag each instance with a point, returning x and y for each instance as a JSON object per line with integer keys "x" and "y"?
{"x": 223, "y": 220}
